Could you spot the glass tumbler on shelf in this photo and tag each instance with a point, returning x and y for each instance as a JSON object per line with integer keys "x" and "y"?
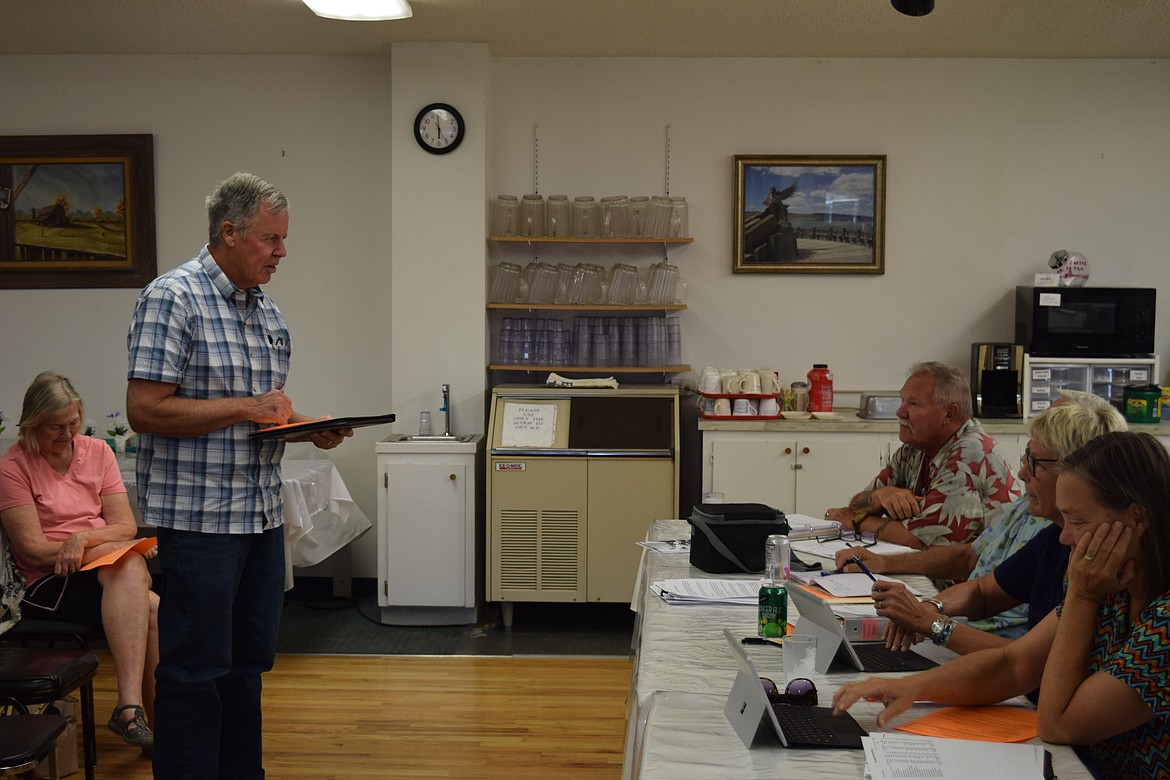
{"x": 614, "y": 218}
{"x": 639, "y": 204}
{"x": 658, "y": 216}
{"x": 505, "y": 283}
{"x": 532, "y": 215}
{"x": 505, "y": 213}
{"x": 556, "y": 217}
{"x": 584, "y": 217}
{"x": 678, "y": 217}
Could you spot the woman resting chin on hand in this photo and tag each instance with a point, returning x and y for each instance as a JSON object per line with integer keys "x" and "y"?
{"x": 1101, "y": 659}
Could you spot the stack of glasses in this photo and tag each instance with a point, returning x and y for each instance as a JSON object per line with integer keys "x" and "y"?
{"x": 614, "y": 216}
{"x": 594, "y": 342}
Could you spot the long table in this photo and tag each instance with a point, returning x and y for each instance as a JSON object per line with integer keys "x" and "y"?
{"x": 683, "y": 670}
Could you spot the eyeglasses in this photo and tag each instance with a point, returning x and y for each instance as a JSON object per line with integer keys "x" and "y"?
{"x": 800, "y": 692}
{"x": 867, "y": 538}
{"x": 1032, "y": 460}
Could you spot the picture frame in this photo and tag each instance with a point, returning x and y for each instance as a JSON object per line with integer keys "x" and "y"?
{"x": 809, "y": 214}
{"x": 77, "y": 211}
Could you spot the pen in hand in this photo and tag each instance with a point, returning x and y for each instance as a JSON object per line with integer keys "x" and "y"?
{"x": 863, "y": 567}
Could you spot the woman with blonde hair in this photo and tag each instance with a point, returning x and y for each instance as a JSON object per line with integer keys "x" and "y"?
{"x": 63, "y": 505}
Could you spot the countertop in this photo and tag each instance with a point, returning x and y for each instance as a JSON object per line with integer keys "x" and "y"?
{"x": 849, "y": 423}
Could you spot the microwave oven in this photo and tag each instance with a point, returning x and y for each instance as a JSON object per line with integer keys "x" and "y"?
{"x": 1085, "y": 321}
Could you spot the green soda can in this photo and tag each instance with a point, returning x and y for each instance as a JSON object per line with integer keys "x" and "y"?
{"x": 773, "y": 610}
{"x": 773, "y": 614}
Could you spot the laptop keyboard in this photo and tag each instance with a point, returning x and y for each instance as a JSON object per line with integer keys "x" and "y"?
{"x": 800, "y": 724}
{"x": 879, "y": 658}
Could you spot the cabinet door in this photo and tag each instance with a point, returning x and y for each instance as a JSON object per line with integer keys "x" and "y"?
{"x": 428, "y": 534}
{"x": 624, "y": 496}
{"x": 832, "y": 467}
{"x": 753, "y": 468}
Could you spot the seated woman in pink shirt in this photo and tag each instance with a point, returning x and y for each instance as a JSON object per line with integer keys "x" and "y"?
{"x": 63, "y": 504}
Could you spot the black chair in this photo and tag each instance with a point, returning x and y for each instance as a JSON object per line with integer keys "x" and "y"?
{"x": 50, "y": 632}
{"x": 39, "y": 675}
{"x": 27, "y": 740}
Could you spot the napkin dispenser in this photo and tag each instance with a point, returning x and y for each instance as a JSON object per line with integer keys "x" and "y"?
{"x": 880, "y": 405}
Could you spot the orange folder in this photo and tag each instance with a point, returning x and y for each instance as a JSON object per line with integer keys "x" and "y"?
{"x": 138, "y": 545}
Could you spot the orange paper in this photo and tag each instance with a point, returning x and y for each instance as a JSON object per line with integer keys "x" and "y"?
{"x": 138, "y": 545}
{"x": 992, "y": 723}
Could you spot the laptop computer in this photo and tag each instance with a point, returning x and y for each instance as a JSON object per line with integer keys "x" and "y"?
{"x": 749, "y": 712}
{"x": 833, "y": 641}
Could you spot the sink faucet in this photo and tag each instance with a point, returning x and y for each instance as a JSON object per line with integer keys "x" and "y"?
{"x": 446, "y": 410}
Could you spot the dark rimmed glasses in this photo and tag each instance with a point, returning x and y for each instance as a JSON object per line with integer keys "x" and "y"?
{"x": 800, "y": 692}
{"x": 1032, "y": 460}
{"x": 867, "y": 538}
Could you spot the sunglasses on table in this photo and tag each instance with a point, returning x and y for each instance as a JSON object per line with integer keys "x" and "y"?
{"x": 867, "y": 538}
{"x": 800, "y": 692}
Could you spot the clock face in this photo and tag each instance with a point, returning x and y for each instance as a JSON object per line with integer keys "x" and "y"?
{"x": 438, "y": 128}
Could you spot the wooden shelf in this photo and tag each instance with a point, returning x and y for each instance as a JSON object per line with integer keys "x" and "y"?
{"x": 594, "y": 369}
{"x": 572, "y": 240}
{"x": 585, "y": 307}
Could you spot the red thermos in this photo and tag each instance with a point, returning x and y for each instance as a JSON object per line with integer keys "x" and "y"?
{"x": 820, "y": 388}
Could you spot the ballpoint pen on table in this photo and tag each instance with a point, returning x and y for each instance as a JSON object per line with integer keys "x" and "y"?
{"x": 863, "y": 567}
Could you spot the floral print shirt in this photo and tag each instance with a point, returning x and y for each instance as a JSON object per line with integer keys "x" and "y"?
{"x": 967, "y": 479}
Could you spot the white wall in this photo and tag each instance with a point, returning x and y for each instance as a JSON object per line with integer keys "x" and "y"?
{"x": 317, "y": 127}
{"x": 992, "y": 165}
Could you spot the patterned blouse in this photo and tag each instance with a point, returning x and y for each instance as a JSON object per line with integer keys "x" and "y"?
{"x": 1138, "y": 654}
{"x": 965, "y": 480}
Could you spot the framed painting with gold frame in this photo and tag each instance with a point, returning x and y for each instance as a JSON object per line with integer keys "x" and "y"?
{"x": 77, "y": 211}
{"x": 809, "y": 214}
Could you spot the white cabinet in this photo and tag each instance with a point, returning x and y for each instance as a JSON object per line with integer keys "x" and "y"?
{"x": 796, "y": 472}
{"x": 427, "y": 531}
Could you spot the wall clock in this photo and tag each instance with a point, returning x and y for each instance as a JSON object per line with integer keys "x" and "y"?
{"x": 439, "y": 128}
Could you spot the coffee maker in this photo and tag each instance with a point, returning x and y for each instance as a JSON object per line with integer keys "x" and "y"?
{"x": 997, "y": 379}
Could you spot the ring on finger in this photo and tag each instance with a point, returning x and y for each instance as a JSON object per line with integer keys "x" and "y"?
{"x": 1089, "y": 557}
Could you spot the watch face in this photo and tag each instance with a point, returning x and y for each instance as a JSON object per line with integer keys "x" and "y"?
{"x": 438, "y": 128}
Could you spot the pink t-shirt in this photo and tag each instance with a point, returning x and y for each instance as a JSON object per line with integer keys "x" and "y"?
{"x": 65, "y": 503}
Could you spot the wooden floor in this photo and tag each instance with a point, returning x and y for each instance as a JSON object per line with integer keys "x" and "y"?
{"x": 340, "y": 717}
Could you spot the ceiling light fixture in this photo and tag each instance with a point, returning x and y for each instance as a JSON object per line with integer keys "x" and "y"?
{"x": 361, "y": 10}
{"x": 913, "y": 7}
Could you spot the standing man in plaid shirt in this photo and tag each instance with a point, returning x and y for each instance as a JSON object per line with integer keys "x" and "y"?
{"x": 209, "y": 355}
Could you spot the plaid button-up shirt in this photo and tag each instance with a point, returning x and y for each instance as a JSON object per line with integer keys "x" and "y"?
{"x": 194, "y": 328}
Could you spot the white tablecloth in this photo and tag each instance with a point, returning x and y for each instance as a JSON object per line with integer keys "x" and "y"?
{"x": 320, "y": 516}
{"x": 683, "y": 671}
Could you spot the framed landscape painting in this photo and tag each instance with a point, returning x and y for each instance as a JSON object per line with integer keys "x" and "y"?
{"x": 809, "y": 214}
{"x": 77, "y": 211}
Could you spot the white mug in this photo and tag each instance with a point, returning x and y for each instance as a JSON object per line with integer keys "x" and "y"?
{"x": 710, "y": 381}
{"x": 745, "y": 407}
{"x": 722, "y": 407}
{"x": 731, "y": 383}
{"x": 769, "y": 381}
{"x": 769, "y": 407}
{"x": 749, "y": 382}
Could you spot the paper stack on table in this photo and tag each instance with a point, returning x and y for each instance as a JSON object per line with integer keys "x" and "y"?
{"x": 698, "y": 591}
{"x": 889, "y": 756}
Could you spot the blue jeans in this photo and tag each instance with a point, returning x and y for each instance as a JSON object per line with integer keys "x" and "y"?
{"x": 218, "y": 618}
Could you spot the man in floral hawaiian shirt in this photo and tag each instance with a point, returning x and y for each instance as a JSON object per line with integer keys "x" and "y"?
{"x": 947, "y": 475}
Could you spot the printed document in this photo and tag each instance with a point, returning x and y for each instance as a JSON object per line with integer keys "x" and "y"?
{"x": 891, "y": 756}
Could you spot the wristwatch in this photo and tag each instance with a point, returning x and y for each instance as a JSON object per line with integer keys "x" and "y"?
{"x": 940, "y": 630}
